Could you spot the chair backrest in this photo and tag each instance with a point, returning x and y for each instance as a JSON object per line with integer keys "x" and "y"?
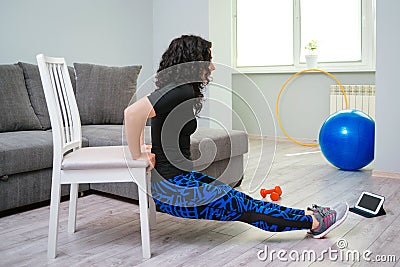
{"x": 61, "y": 103}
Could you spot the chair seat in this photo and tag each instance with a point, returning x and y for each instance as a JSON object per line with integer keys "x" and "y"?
{"x": 109, "y": 157}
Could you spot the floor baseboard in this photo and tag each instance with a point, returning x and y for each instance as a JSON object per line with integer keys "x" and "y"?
{"x": 281, "y": 138}
{"x": 386, "y": 174}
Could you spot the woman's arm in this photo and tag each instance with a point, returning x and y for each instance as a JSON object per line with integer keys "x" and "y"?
{"x": 135, "y": 121}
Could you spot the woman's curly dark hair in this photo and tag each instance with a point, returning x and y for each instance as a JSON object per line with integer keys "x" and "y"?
{"x": 191, "y": 56}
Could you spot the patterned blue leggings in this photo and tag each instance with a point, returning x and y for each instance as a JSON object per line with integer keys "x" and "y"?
{"x": 197, "y": 196}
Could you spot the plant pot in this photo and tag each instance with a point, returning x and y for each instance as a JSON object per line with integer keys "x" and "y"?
{"x": 311, "y": 61}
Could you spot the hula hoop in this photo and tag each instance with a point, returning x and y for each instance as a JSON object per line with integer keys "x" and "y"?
{"x": 283, "y": 87}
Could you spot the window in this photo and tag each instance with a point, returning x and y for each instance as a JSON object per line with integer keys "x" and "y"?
{"x": 270, "y": 35}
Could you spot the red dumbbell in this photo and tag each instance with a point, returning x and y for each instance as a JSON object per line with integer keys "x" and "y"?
{"x": 275, "y": 193}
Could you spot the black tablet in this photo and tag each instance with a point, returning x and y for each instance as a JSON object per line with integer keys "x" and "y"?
{"x": 370, "y": 203}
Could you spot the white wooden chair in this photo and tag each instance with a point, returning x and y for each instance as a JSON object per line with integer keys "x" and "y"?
{"x": 85, "y": 165}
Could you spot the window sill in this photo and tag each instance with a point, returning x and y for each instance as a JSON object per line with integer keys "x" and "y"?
{"x": 292, "y": 69}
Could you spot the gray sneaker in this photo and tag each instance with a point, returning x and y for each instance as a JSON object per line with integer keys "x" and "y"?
{"x": 330, "y": 219}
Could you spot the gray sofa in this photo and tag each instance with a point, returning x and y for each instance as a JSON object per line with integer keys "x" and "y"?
{"x": 26, "y": 138}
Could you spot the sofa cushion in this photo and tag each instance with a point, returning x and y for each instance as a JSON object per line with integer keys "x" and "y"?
{"x": 26, "y": 151}
{"x": 216, "y": 144}
{"x": 36, "y": 93}
{"x": 15, "y": 108}
{"x": 103, "y": 135}
{"x": 228, "y": 144}
{"x": 104, "y": 92}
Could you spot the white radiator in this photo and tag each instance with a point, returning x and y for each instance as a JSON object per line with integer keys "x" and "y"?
{"x": 360, "y": 97}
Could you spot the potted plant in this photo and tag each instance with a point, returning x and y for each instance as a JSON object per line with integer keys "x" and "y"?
{"x": 311, "y": 57}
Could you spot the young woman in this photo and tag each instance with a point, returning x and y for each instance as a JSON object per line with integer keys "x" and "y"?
{"x": 183, "y": 73}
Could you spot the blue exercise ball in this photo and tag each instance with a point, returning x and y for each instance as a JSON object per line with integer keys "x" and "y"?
{"x": 347, "y": 139}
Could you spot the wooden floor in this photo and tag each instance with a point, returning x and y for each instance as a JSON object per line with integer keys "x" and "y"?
{"x": 108, "y": 232}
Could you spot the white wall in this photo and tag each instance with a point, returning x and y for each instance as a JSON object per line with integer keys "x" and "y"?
{"x": 117, "y": 32}
{"x": 387, "y": 144}
{"x": 220, "y": 91}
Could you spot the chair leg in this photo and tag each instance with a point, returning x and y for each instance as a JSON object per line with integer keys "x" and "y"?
{"x": 152, "y": 214}
{"x": 53, "y": 221}
{"x": 151, "y": 204}
{"x": 72, "y": 208}
{"x": 144, "y": 218}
